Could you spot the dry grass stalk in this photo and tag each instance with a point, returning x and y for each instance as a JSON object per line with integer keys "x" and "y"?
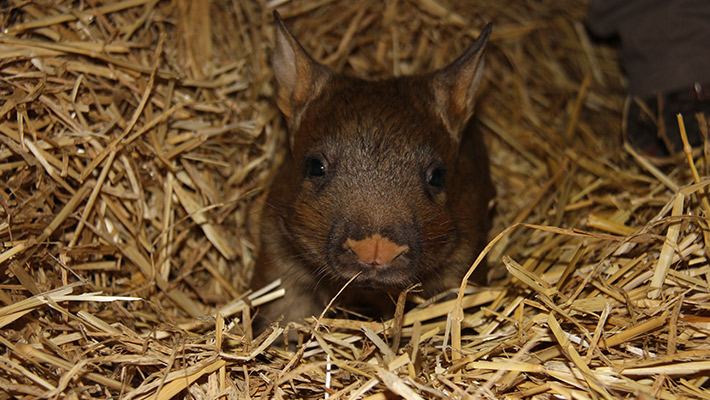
{"x": 136, "y": 140}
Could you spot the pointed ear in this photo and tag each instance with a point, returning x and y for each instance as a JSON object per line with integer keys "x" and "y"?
{"x": 455, "y": 85}
{"x": 300, "y": 78}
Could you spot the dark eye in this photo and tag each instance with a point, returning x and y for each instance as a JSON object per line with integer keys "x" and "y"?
{"x": 435, "y": 176}
{"x": 315, "y": 167}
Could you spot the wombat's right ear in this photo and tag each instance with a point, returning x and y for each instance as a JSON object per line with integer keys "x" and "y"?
{"x": 300, "y": 78}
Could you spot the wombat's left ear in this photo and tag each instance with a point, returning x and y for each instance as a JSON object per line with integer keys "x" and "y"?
{"x": 455, "y": 85}
{"x": 300, "y": 78}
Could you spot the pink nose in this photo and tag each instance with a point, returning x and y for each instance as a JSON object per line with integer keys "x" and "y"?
{"x": 375, "y": 250}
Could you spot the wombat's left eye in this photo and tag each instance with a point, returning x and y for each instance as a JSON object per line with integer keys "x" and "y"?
{"x": 435, "y": 176}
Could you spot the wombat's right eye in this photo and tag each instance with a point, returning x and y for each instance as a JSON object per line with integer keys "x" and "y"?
{"x": 315, "y": 167}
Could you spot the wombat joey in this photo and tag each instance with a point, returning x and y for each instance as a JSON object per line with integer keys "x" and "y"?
{"x": 383, "y": 183}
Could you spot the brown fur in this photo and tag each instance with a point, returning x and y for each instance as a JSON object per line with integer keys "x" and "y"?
{"x": 379, "y": 143}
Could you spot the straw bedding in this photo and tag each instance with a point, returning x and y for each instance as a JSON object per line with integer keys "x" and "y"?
{"x": 137, "y": 139}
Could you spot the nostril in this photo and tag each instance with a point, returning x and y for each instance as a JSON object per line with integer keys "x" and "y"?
{"x": 375, "y": 250}
{"x": 399, "y": 254}
{"x": 387, "y": 252}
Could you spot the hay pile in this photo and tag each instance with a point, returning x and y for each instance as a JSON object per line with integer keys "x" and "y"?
{"x": 136, "y": 140}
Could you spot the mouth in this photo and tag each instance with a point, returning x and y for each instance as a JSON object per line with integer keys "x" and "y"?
{"x": 379, "y": 277}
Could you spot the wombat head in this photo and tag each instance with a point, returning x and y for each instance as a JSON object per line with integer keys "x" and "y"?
{"x": 373, "y": 167}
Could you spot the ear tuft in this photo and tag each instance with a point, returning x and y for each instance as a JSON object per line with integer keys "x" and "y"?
{"x": 455, "y": 85}
{"x": 300, "y": 79}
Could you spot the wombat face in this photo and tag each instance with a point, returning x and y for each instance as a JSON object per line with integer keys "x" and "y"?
{"x": 374, "y": 172}
{"x": 373, "y": 166}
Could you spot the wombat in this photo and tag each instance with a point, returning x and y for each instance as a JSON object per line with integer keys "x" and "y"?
{"x": 383, "y": 182}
